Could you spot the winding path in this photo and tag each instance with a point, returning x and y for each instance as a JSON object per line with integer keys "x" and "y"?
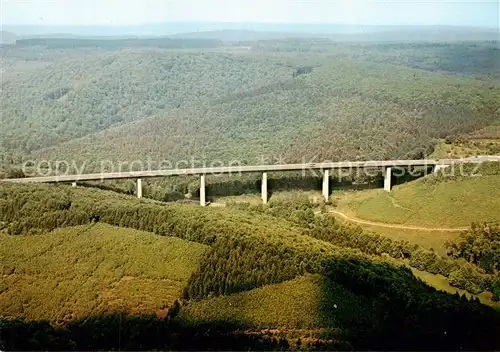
{"x": 379, "y": 224}
{"x": 396, "y": 226}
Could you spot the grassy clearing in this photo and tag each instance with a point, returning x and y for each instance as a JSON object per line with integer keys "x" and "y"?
{"x": 469, "y": 148}
{"x": 426, "y": 239}
{"x": 485, "y": 141}
{"x": 92, "y": 269}
{"x": 296, "y": 304}
{"x": 453, "y": 203}
{"x": 440, "y": 282}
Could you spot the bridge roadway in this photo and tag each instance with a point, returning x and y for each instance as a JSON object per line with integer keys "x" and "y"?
{"x": 437, "y": 164}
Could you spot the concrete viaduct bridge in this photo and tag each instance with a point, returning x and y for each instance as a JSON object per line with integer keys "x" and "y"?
{"x": 325, "y": 168}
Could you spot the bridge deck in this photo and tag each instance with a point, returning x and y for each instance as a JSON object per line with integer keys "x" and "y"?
{"x": 249, "y": 169}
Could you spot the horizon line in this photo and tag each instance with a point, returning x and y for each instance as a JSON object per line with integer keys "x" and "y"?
{"x": 166, "y": 22}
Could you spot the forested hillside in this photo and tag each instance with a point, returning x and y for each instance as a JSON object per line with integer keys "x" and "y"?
{"x": 74, "y": 97}
{"x": 465, "y": 57}
{"x": 362, "y": 295}
{"x": 7, "y": 37}
{"x": 296, "y": 99}
{"x": 340, "y": 111}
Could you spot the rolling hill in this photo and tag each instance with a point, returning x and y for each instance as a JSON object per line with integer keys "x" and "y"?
{"x": 294, "y": 304}
{"x": 131, "y": 103}
{"x": 249, "y": 107}
{"x": 445, "y": 200}
{"x": 352, "y": 34}
{"x": 82, "y": 95}
{"x": 7, "y": 37}
{"x": 485, "y": 141}
{"x": 122, "y": 279}
{"x": 229, "y": 31}
{"x": 91, "y": 270}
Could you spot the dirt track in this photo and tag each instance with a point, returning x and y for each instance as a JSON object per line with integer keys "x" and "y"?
{"x": 381, "y": 224}
{"x": 395, "y": 226}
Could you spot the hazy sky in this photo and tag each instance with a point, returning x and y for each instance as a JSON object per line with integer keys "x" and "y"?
{"x": 121, "y": 12}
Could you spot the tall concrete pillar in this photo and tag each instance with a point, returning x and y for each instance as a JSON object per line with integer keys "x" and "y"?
{"x": 203, "y": 200}
{"x": 438, "y": 168}
{"x": 264, "y": 187}
{"x": 326, "y": 184}
{"x": 139, "y": 188}
{"x": 387, "y": 179}
{"x": 73, "y": 184}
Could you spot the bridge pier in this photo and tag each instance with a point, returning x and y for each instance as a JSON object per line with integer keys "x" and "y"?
{"x": 439, "y": 167}
{"x": 326, "y": 185}
{"x": 264, "y": 187}
{"x": 387, "y": 179}
{"x": 139, "y": 188}
{"x": 203, "y": 200}
{"x": 385, "y": 165}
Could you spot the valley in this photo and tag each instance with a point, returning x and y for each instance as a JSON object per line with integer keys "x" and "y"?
{"x": 104, "y": 266}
